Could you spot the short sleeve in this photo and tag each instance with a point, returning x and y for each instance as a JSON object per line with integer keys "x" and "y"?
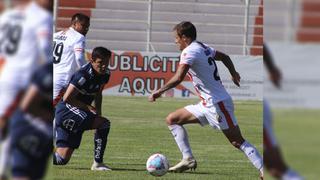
{"x": 79, "y": 51}
{"x": 107, "y": 77}
{"x": 187, "y": 57}
{"x": 213, "y": 52}
{"x": 78, "y": 80}
{"x": 44, "y": 38}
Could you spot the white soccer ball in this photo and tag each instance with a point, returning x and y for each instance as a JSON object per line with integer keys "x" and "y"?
{"x": 157, "y": 165}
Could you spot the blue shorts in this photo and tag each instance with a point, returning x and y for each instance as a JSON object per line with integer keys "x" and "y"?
{"x": 31, "y": 145}
{"x": 70, "y": 123}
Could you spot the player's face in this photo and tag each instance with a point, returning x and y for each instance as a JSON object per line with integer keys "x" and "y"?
{"x": 82, "y": 27}
{"x": 180, "y": 41}
{"x": 100, "y": 65}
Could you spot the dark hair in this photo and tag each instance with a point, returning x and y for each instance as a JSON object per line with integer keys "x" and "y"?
{"x": 100, "y": 52}
{"x": 186, "y": 28}
{"x": 79, "y": 17}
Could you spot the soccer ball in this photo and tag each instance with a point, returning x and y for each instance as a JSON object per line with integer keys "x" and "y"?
{"x": 157, "y": 165}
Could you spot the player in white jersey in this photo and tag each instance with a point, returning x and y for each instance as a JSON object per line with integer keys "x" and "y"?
{"x": 68, "y": 52}
{"x": 273, "y": 159}
{"x": 216, "y": 106}
{"x": 25, "y": 43}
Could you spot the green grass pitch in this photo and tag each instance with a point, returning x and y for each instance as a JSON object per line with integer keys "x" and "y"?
{"x": 297, "y": 132}
{"x": 138, "y": 130}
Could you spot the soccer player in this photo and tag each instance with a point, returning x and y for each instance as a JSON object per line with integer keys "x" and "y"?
{"x": 68, "y": 53}
{"x": 273, "y": 159}
{"x": 25, "y": 42}
{"x": 30, "y": 128}
{"x": 75, "y": 114}
{"x": 216, "y": 106}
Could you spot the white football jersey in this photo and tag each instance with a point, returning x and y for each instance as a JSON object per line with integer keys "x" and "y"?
{"x": 204, "y": 73}
{"x": 68, "y": 57}
{"x": 25, "y": 42}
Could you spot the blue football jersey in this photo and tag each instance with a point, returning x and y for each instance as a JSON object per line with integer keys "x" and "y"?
{"x": 88, "y": 83}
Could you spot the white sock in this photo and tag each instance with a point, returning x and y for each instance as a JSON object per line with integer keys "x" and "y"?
{"x": 253, "y": 155}
{"x": 181, "y": 137}
{"x": 4, "y": 156}
{"x": 291, "y": 175}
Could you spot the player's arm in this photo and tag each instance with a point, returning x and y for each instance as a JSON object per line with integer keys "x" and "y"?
{"x": 274, "y": 72}
{"x": 98, "y": 102}
{"x": 79, "y": 52}
{"x": 70, "y": 97}
{"x": 44, "y": 39}
{"x": 225, "y": 59}
{"x": 173, "y": 82}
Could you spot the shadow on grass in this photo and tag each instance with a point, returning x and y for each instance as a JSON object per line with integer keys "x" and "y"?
{"x": 128, "y": 169}
{"x": 192, "y": 172}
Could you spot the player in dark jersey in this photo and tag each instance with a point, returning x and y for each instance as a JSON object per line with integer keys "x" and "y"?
{"x": 30, "y": 128}
{"x": 74, "y": 113}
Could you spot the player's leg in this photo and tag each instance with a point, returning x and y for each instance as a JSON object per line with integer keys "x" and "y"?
{"x": 235, "y": 138}
{"x": 102, "y": 128}
{"x": 272, "y": 157}
{"x": 232, "y": 131}
{"x": 62, "y": 155}
{"x": 175, "y": 122}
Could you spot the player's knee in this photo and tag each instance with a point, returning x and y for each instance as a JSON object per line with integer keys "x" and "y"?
{"x": 171, "y": 119}
{"x": 236, "y": 144}
{"x": 59, "y": 160}
{"x": 106, "y": 123}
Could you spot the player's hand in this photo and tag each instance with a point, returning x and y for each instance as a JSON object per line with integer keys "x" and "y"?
{"x": 92, "y": 109}
{"x": 155, "y": 95}
{"x": 236, "y": 79}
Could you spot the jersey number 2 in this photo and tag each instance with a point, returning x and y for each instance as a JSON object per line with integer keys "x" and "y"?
{"x": 57, "y": 52}
{"x": 216, "y": 76}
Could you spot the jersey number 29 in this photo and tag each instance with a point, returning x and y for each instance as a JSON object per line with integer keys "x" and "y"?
{"x": 10, "y": 38}
{"x": 216, "y": 76}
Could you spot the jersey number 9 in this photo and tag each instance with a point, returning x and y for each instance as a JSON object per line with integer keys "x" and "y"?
{"x": 57, "y": 52}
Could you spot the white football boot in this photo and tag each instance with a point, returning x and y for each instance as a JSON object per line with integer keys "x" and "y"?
{"x": 184, "y": 165}
{"x": 100, "y": 167}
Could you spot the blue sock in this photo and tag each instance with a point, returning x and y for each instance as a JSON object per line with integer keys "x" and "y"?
{"x": 100, "y": 141}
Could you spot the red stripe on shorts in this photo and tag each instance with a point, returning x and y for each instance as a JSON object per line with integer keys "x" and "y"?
{"x": 226, "y": 114}
{"x": 58, "y": 98}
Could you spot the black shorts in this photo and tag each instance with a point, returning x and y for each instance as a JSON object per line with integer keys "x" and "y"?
{"x": 31, "y": 145}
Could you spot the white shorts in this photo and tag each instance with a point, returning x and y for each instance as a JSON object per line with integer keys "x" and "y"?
{"x": 219, "y": 116}
{"x": 59, "y": 86}
{"x": 269, "y": 140}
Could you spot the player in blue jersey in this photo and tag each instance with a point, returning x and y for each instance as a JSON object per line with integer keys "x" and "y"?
{"x": 74, "y": 113}
{"x": 30, "y": 128}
